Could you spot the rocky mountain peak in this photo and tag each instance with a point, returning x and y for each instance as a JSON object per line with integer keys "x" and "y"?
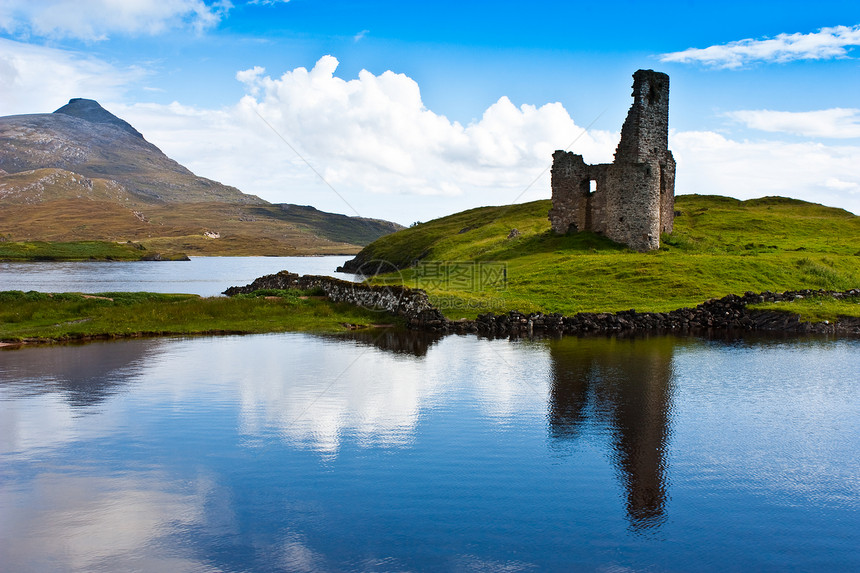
{"x": 90, "y": 110}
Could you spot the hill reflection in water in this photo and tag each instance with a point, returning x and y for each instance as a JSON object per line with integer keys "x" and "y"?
{"x": 84, "y": 374}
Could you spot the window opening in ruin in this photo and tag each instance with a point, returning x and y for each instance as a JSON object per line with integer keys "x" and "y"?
{"x": 653, "y": 94}
{"x": 592, "y": 186}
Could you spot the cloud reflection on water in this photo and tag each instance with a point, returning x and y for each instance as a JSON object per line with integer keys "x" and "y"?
{"x": 275, "y": 450}
{"x": 367, "y": 387}
{"x": 315, "y": 396}
{"x": 82, "y": 523}
{"x": 312, "y": 392}
{"x": 43, "y": 390}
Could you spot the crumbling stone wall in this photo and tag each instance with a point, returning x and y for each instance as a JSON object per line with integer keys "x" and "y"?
{"x": 634, "y": 198}
{"x": 399, "y": 300}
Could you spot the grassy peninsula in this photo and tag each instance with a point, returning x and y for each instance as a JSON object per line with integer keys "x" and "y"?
{"x": 41, "y": 317}
{"x": 719, "y": 246}
{"x": 15, "y": 251}
{"x": 816, "y": 309}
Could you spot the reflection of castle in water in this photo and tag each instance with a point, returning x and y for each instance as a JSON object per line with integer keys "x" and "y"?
{"x": 623, "y": 385}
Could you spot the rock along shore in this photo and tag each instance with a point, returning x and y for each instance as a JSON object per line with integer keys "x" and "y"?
{"x": 413, "y": 305}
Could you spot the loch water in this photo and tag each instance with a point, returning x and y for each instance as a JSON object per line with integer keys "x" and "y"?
{"x": 204, "y": 276}
{"x": 383, "y": 450}
{"x": 388, "y": 451}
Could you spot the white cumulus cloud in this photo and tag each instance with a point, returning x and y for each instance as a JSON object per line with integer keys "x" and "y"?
{"x": 839, "y": 185}
{"x": 387, "y": 155}
{"x": 384, "y": 154}
{"x": 837, "y": 123}
{"x": 95, "y": 20}
{"x": 374, "y": 134}
{"x": 827, "y": 43}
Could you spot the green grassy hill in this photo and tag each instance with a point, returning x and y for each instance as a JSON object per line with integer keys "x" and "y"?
{"x": 720, "y": 246}
{"x": 77, "y": 251}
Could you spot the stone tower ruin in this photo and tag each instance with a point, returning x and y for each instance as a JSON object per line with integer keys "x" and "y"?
{"x": 632, "y": 199}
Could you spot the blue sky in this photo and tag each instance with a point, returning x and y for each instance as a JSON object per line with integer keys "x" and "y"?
{"x": 409, "y": 111}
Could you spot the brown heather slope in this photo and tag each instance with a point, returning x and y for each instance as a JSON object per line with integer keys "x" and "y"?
{"x": 46, "y": 184}
{"x": 85, "y": 138}
{"x": 81, "y": 173}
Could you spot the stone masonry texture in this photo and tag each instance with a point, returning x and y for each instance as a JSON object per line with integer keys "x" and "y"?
{"x": 634, "y": 197}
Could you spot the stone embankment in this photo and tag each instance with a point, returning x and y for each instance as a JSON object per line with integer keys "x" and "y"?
{"x": 402, "y": 301}
{"x": 728, "y": 313}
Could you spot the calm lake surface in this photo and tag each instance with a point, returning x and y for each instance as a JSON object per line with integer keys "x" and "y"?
{"x": 390, "y": 452}
{"x": 206, "y": 276}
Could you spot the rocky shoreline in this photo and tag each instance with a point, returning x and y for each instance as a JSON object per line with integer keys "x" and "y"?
{"x": 730, "y": 313}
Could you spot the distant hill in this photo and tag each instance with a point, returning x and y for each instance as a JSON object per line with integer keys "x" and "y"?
{"x": 84, "y": 138}
{"x": 90, "y": 110}
{"x": 81, "y": 173}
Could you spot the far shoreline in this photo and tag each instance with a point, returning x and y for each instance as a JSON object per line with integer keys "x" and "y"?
{"x": 38, "y": 251}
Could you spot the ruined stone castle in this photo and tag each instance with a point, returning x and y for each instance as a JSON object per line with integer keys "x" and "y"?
{"x": 632, "y": 199}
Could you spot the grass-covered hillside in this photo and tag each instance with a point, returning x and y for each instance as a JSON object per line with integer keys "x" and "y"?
{"x": 80, "y": 251}
{"x": 719, "y": 246}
